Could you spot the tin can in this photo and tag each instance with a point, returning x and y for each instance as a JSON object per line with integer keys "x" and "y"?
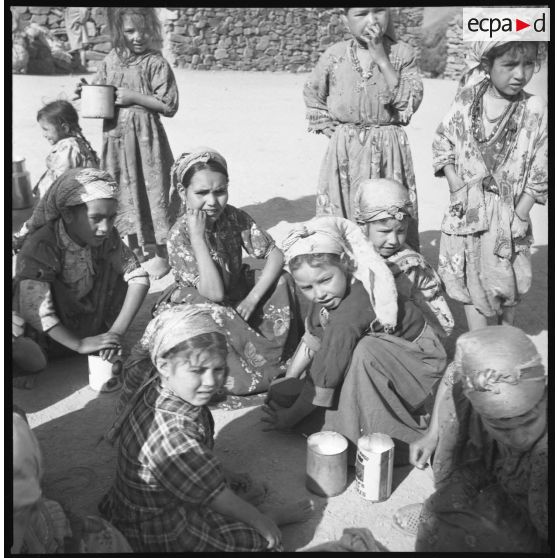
{"x": 374, "y": 467}
{"x": 22, "y": 196}
{"x": 97, "y": 101}
{"x": 100, "y": 372}
{"x": 326, "y": 463}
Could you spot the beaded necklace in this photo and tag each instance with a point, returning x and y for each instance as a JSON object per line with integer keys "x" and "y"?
{"x": 477, "y": 111}
{"x": 355, "y": 62}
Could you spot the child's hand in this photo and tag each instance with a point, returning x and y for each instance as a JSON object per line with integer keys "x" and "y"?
{"x": 422, "y": 449}
{"x": 195, "y": 219}
{"x": 277, "y": 417}
{"x": 247, "y": 306}
{"x": 125, "y": 97}
{"x": 519, "y": 226}
{"x": 329, "y": 130}
{"x": 268, "y": 529}
{"x": 108, "y": 340}
{"x": 79, "y": 86}
{"x": 373, "y": 36}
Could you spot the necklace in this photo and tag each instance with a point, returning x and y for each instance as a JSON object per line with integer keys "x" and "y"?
{"x": 355, "y": 62}
{"x": 495, "y": 119}
{"x": 476, "y": 115}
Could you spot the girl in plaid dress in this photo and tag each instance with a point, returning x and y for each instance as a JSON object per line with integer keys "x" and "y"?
{"x": 171, "y": 493}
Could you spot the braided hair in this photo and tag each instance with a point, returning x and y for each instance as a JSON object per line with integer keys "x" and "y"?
{"x": 62, "y": 112}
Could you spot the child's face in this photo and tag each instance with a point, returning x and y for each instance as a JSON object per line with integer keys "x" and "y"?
{"x": 52, "y": 133}
{"x": 91, "y": 223}
{"x": 387, "y": 235}
{"x": 195, "y": 379}
{"x": 324, "y": 284}
{"x": 135, "y": 35}
{"x": 360, "y": 20}
{"x": 512, "y": 71}
{"x": 208, "y": 191}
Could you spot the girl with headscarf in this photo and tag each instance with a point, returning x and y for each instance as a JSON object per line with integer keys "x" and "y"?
{"x": 171, "y": 492}
{"x": 383, "y": 210}
{"x": 257, "y": 310}
{"x": 77, "y": 286}
{"x": 491, "y": 442}
{"x": 492, "y": 148}
{"x": 360, "y": 95}
{"x": 370, "y": 358}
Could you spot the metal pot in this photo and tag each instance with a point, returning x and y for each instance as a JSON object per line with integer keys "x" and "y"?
{"x": 97, "y": 101}
{"x": 22, "y": 196}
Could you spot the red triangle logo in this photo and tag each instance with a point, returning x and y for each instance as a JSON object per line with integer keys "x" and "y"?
{"x": 519, "y": 25}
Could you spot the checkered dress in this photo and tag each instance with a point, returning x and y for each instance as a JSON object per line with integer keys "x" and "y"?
{"x": 166, "y": 476}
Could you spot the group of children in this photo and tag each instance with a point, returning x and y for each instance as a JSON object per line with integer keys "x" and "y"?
{"x": 371, "y": 356}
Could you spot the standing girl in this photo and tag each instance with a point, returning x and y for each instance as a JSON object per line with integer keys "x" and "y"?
{"x": 136, "y": 150}
{"x": 360, "y": 94}
{"x": 492, "y": 149}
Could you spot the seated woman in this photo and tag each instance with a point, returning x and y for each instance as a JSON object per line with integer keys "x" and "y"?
{"x": 257, "y": 311}
{"x": 364, "y": 378}
{"x": 171, "y": 493}
{"x": 77, "y": 286}
{"x": 491, "y": 442}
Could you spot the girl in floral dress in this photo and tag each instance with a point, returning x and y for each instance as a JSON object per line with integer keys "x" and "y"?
{"x": 492, "y": 149}
{"x": 360, "y": 95}
{"x": 136, "y": 150}
{"x": 258, "y": 310}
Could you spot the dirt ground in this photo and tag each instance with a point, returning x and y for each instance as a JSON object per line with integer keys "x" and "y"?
{"x": 257, "y": 121}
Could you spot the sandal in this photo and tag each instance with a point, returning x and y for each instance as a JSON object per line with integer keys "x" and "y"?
{"x": 407, "y": 519}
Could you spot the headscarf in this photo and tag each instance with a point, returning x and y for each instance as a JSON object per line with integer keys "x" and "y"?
{"x": 381, "y": 198}
{"x": 74, "y": 187}
{"x": 474, "y": 72}
{"x": 335, "y": 235}
{"x": 187, "y": 160}
{"x": 27, "y": 464}
{"x": 175, "y": 325}
{"x": 501, "y": 371}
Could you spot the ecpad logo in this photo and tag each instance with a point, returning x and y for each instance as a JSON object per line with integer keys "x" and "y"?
{"x": 506, "y": 24}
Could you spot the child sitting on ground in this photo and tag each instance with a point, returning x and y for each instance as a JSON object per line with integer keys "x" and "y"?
{"x": 70, "y": 149}
{"x": 368, "y": 380}
{"x": 383, "y": 209}
{"x": 171, "y": 493}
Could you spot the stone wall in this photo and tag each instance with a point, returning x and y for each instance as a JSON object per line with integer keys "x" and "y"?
{"x": 285, "y": 39}
{"x": 456, "y": 50}
{"x": 290, "y": 39}
{"x": 53, "y": 19}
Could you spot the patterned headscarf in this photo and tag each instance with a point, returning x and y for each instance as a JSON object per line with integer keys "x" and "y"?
{"x": 335, "y": 235}
{"x": 474, "y": 72}
{"x": 187, "y": 160}
{"x": 74, "y": 187}
{"x": 175, "y": 325}
{"x": 381, "y": 198}
{"x": 501, "y": 371}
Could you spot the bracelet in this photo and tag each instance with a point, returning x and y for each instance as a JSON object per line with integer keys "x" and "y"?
{"x": 522, "y": 220}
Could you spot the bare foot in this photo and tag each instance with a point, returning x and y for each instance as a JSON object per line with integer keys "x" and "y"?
{"x": 24, "y": 382}
{"x": 296, "y": 512}
{"x": 158, "y": 267}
